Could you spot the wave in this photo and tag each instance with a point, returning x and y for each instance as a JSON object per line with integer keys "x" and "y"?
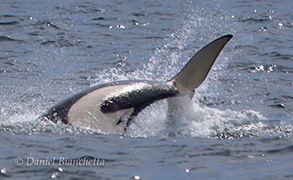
{"x": 190, "y": 120}
{"x": 195, "y": 118}
{"x": 6, "y": 38}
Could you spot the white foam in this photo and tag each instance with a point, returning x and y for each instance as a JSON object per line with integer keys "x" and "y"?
{"x": 193, "y": 120}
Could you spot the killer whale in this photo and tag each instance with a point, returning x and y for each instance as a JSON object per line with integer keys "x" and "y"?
{"x": 110, "y": 107}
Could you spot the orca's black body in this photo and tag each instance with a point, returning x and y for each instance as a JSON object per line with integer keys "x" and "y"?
{"x": 110, "y": 107}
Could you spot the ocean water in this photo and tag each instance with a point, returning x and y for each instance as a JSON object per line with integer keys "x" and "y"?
{"x": 239, "y": 125}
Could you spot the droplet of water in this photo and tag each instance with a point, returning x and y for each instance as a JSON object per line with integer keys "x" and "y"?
{"x": 60, "y": 169}
{"x": 54, "y": 175}
{"x": 136, "y": 177}
{"x": 3, "y": 171}
{"x": 263, "y": 29}
{"x": 120, "y": 26}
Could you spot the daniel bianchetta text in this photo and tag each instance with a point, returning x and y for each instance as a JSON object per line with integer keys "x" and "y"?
{"x": 60, "y": 161}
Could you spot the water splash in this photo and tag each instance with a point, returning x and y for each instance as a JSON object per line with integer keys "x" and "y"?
{"x": 28, "y": 124}
{"x": 194, "y": 119}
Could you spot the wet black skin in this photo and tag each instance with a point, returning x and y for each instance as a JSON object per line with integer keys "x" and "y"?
{"x": 138, "y": 99}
